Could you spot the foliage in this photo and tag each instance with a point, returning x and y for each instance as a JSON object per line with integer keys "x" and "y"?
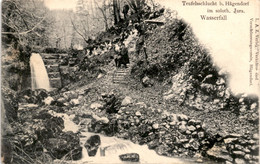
{"x": 169, "y": 48}
{"x": 95, "y": 61}
{"x": 24, "y": 23}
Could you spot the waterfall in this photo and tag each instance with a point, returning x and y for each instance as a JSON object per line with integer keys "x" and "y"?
{"x": 39, "y": 76}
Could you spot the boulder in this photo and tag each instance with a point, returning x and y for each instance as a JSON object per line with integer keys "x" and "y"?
{"x": 138, "y": 113}
{"x": 256, "y": 136}
{"x": 61, "y": 102}
{"x": 127, "y": 101}
{"x": 155, "y": 126}
{"x": 147, "y": 82}
{"x": 169, "y": 97}
{"x": 92, "y": 145}
{"x": 153, "y": 144}
{"x": 201, "y": 135}
{"x": 48, "y": 100}
{"x": 253, "y": 106}
{"x": 191, "y": 128}
{"x": 240, "y": 161}
{"x": 74, "y": 102}
{"x": 112, "y": 103}
{"x": 96, "y": 105}
{"x": 130, "y": 157}
{"x": 182, "y": 128}
{"x": 103, "y": 120}
{"x": 219, "y": 152}
{"x": 229, "y": 140}
{"x": 182, "y": 117}
{"x": 243, "y": 109}
{"x": 100, "y": 75}
{"x": 239, "y": 153}
{"x": 141, "y": 105}
{"x": 41, "y": 93}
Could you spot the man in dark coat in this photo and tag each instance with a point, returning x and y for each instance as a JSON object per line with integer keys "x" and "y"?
{"x": 124, "y": 54}
{"x": 125, "y": 10}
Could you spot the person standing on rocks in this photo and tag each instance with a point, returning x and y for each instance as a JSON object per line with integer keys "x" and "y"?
{"x": 117, "y": 55}
{"x": 124, "y": 55}
{"x": 125, "y": 10}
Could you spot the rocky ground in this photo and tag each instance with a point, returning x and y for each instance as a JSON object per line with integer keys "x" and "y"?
{"x": 146, "y": 117}
{"x": 130, "y": 111}
{"x": 191, "y": 115}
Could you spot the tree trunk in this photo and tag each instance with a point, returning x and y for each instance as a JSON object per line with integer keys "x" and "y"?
{"x": 116, "y": 9}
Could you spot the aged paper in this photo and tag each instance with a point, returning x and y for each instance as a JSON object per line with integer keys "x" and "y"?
{"x": 230, "y": 30}
{"x": 93, "y": 81}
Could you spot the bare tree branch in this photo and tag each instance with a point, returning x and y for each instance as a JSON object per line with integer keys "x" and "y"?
{"x": 77, "y": 31}
{"x": 25, "y": 32}
{"x": 103, "y": 11}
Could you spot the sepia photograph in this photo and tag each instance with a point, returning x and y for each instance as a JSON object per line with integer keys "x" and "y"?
{"x": 130, "y": 81}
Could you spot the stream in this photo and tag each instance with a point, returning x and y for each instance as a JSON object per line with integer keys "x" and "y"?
{"x": 113, "y": 147}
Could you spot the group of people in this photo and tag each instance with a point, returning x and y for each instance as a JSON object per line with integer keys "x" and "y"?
{"x": 121, "y": 55}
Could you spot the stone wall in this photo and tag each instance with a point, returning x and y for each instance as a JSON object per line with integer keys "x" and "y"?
{"x": 61, "y": 69}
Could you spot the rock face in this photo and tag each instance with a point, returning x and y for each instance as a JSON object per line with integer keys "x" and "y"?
{"x": 39, "y": 131}
{"x": 67, "y": 144}
{"x": 219, "y": 153}
{"x": 235, "y": 148}
{"x": 112, "y": 103}
{"x": 130, "y": 157}
{"x": 159, "y": 131}
{"x": 210, "y": 93}
{"x": 37, "y": 96}
{"x": 175, "y": 134}
{"x": 9, "y": 103}
{"x": 92, "y": 145}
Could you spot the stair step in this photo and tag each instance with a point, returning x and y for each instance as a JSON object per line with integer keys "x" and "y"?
{"x": 116, "y": 80}
{"x": 50, "y": 56}
{"x": 55, "y": 83}
{"x": 120, "y": 81}
{"x": 64, "y": 55}
{"x": 119, "y": 78}
{"x": 118, "y": 71}
{"x": 54, "y": 75}
{"x": 50, "y": 61}
{"x": 119, "y": 75}
{"x": 52, "y": 68}
{"x": 56, "y": 79}
{"x": 73, "y": 59}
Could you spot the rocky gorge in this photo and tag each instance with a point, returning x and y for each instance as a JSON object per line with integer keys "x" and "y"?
{"x": 172, "y": 104}
{"x": 42, "y": 133}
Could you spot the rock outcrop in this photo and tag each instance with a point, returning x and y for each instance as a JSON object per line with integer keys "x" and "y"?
{"x": 92, "y": 145}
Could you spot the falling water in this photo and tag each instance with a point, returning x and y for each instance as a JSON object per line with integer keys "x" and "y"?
{"x": 39, "y": 76}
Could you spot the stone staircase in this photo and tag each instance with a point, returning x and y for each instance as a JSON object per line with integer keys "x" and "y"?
{"x": 51, "y": 63}
{"x": 119, "y": 75}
